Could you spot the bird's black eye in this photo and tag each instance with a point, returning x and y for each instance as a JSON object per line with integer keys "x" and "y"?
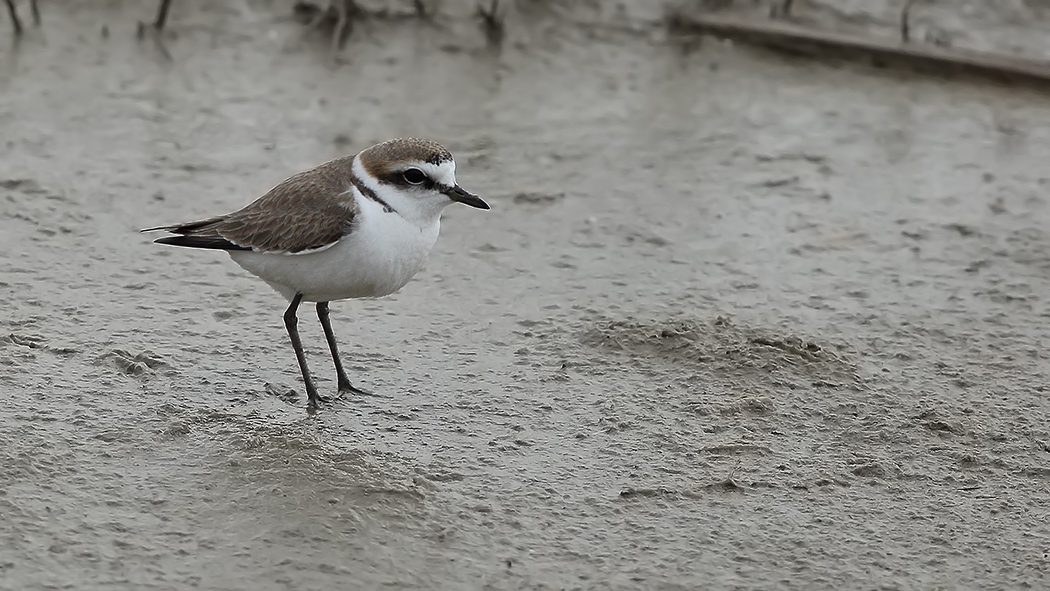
{"x": 414, "y": 176}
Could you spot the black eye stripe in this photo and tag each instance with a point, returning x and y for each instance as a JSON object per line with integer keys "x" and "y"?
{"x": 398, "y": 178}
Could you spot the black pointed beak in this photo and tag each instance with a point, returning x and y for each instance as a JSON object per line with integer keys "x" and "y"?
{"x": 458, "y": 193}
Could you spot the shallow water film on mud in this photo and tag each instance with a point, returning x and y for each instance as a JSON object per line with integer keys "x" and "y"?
{"x": 736, "y": 318}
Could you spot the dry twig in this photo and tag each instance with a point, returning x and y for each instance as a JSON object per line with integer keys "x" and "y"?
{"x": 343, "y": 11}
{"x": 905, "y": 24}
{"x": 15, "y": 21}
{"x": 162, "y": 14}
{"x": 422, "y": 11}
{"x": 781, "y": 10}
{"x": 491, "y": 22}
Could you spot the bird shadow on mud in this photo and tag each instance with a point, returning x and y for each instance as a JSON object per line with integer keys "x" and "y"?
{"x": 257, "y": 454}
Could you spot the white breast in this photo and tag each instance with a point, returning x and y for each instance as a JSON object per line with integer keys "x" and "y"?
{"x": 377, "y": 258}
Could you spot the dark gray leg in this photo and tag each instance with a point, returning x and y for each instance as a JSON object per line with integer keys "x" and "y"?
{"x": 291, "y": 322}
{"x": 326, "y": 324}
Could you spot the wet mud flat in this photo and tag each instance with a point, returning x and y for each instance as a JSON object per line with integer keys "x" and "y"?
{"x": 735, "y": 319}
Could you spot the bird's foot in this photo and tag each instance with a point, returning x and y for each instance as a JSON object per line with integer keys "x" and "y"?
{"x": 345, "y": 387}
{"x": 316, "y": 400}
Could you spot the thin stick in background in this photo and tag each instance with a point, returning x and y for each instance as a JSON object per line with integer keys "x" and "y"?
{"x": 162, "y": 14}
{"x": 342, "y": 19}
{"x": 491, "y": 22}
{"x": 15, "y": 21}
{"x": 344, "y": 11}
{"x": 422, "y": 11}
{"x": 154, "y": 30}
{"x": 781, "y": 10}
{"x": 905, "y": 24}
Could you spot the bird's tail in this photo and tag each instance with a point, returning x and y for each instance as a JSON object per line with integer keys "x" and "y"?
{"x": 196, "y": 235}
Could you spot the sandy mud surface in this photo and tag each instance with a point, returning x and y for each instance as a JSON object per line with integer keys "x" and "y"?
{"x": 735, "y": 320}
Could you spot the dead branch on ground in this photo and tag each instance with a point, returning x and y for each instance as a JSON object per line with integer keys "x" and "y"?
{"x": 795, "y": 39}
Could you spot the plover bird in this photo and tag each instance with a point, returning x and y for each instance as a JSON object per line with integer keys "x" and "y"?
{"x": 355, "y": 227}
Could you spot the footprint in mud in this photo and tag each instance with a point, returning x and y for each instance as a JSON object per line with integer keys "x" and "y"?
{"x": 282, "y": 392}
{"x": 26, "y": 186}
{"x": 538, "y": 198}
{"x": 36, "y": 342}
{"x": 137, "y": 365}
{"x": 722, "y": 347}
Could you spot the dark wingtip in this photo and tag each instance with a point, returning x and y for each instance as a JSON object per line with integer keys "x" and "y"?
{"x": 212, "y": 242}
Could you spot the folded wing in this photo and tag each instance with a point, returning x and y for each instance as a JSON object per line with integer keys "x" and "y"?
{"x": 307, "y": 212}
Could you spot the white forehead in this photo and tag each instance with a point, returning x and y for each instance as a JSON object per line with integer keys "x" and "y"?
{"x": 443, "y": 174}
